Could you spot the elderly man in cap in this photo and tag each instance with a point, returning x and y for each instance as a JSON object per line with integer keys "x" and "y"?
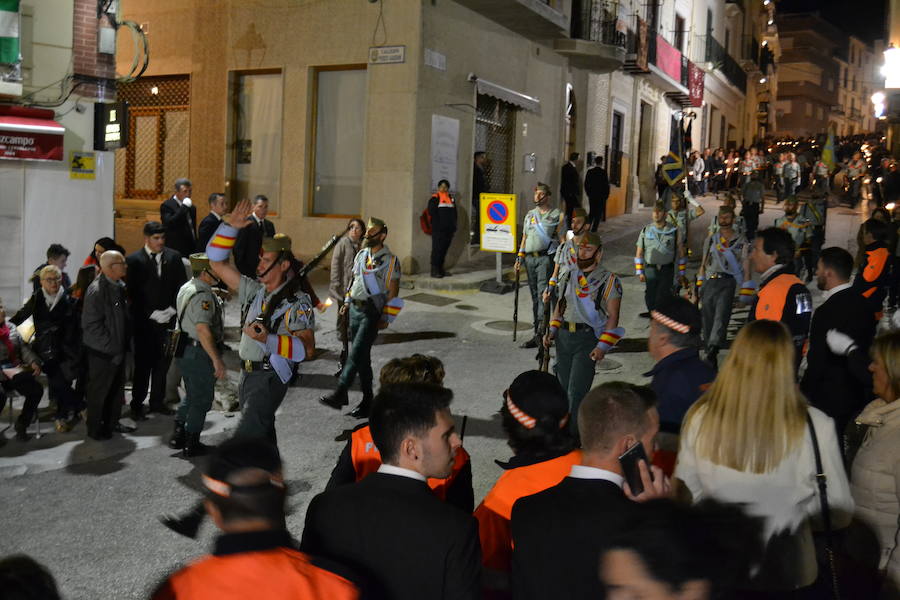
{"x": 372, "y": 301}
{"x": 585, "y": 323}
{"x": 200, "y": 321}
{"x": 277, "y": 322}
{"x": 539, "y": 242}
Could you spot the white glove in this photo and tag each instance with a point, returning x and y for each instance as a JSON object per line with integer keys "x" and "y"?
{"x": 895, "y": 320}
{"x": 162, "y": 316}
{"x": 839, "y": 343}
{"x": 187, "y": 202}
{"x": 690, "y": 199}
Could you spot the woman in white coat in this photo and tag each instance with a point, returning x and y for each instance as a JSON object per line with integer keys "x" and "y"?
{"x": 747, "y": 440}
{"x": 875, "y": 480}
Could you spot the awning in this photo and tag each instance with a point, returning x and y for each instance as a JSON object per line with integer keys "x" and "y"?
{"x": 507, "y": 95}
{"x": 33, "y": 137}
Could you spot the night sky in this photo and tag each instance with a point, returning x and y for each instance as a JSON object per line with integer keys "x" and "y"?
{"x": 865, "y": 19}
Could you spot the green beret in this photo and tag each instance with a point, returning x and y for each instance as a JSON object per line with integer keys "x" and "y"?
{"x": 543, "y": 187}
{"x": 280, "y": 243}
{"x": 591, "y": 238}
{"x": 199, "y": 262}
{"x": 579, "y": 212}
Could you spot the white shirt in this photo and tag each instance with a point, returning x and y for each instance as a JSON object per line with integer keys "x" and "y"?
{"x": 216, "y": 215}
{"x": 586, "y": 472}
{"x": 157, "y": 259}
{"x": 393, "y": 470}
{"x": 770, "y": 271}
{"x": 838, "y": 288}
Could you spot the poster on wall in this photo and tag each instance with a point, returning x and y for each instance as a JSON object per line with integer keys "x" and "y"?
{"x": 444, "y": 150}
{"x": 81, "y": 165}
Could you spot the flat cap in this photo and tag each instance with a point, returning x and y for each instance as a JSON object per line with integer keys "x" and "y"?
{"x": 375, "y": 222}
{"x": 579, "y": 212}
{"x": 281, "y": 242}
{"x": 199, "y": 262}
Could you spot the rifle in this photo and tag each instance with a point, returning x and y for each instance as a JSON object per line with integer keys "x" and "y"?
{"x": 543, "y": 356}
{"x": 516, "y": 305}
{"x": 314, "y": 262}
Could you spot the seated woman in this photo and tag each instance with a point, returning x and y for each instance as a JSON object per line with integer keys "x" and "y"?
{"x": 19, "y": 366}
{"x": 55, "y": 342}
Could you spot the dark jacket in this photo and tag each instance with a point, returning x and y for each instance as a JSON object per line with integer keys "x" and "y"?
{"x": 207, "y": 228}
{"x": 398, "y": 536}
{"x": 148, "y": 291}
{"x": 570, "y": 187}
{"x": 56, "y": 332}
{"x": 36, "y": 279}
{"x": 678, "y": 381}
{"x": 874, "y": 275}
{"x": 180, "y": 222}
{"x": 557, "y": 537}
{"x": 105, "y": 322}
{"x": 443, "y": 218}
{"x": 829, "y": 382}
{"x": 248, "y": 243}
{"x": 596, "y": 183}
{"x": 479, "y": 185}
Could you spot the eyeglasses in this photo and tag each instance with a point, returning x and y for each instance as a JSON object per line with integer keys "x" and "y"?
{"x": 51, "y": 278}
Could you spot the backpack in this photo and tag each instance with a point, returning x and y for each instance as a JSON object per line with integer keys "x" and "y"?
{"x": 425, "y": 222}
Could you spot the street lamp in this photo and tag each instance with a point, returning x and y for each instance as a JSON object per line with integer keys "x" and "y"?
{"x": 878, "y": 100}
{"x": 891, "y": 68}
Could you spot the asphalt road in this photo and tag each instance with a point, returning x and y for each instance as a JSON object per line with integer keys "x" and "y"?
{"x": 88, "y": 510}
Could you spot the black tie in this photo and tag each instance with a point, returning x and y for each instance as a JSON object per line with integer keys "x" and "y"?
{"x": 156, "y": 265}
{"x": 262, "y": 228}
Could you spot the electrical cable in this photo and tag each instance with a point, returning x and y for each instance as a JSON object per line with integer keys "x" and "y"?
{"x": 141, "y": 48}
{"x": 380, "y": 21}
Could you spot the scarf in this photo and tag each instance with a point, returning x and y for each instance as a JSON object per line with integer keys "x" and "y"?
{"x": 444, "y": 199}
{"x": 7, "y": 341}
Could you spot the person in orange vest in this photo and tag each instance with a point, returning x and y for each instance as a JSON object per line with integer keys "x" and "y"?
{"x": 874, "y": 276}
{"x": 781, "y": 296}
{"x": 256, "y": 556}
{"x": 360, "y": 457}
{"x": 535, "y": 417}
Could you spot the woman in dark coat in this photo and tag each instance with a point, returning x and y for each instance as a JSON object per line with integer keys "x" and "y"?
{"x": 442, "y": 210}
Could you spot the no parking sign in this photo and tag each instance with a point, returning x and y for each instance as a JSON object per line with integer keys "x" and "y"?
{"x": 498, "y": 222}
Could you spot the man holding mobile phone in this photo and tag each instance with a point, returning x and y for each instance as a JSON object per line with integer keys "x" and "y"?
{"x": 563, "y": 528}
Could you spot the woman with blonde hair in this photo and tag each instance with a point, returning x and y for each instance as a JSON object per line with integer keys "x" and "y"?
{"x": 748, "y": 440}
{"x": 876, "y": 468}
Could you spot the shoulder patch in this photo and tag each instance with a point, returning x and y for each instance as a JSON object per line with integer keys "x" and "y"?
{"x": 205, "y": 305}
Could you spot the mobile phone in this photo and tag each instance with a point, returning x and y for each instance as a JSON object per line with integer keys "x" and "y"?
{"x": 629, "y": 461}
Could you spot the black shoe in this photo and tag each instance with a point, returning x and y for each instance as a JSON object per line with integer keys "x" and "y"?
{"x": 446, "y": 273}
{"x": 532, "y": 343}
{"x": 100, "y": 436}
{"x": 138, "y": 414}
{"x": 712, "y": 357}
{"x": 194, "y": 447}
{"x": 644, "y": 315}
{"x": 122, "y": 428}
{"x": 162, "y": 409}
{"x": 436, "y": 274}
{"x": 22, "y": 435}
{"x": 361, "y": 411}
{"x": 336, "y": 400}
{"x": 179, "y": 437}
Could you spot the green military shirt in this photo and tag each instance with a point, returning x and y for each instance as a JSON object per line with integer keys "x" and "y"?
{"x": 197, "y": 304}
{"x": 540, "y": 229}
{"x": 372, "y": 273}
{"x": 602, "y": 286}
{"x": 291, "y": 315}
{"x": 799, "y": 227}
{"x": 659, "y": 245}
{"x": 813, "y": 210}
{"x": 681, "y": 219}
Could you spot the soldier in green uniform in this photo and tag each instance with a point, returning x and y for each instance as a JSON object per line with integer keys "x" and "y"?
{"x": 277, "y": 322}
{"x": 373, "y": 304}
{"x": 814, "y": 210}
{"x": 200, "y": 320}
{"x": 659, "y": 245}
{"x": 585, "y": 322}
{"x": 539, "y": 243}
{"x": 681, "y": 216}
{"x": 800, "y": 229}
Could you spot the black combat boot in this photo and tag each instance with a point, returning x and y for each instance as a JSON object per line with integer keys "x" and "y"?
{"x": 336, "y": 400}
{"x": 362, "y": 410}
{"x": 341, "y": 362}
{"x": 194, "y": 447}
{"x": 179, "y": 437}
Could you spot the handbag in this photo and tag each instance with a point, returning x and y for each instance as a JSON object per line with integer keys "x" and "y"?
{"x": 176, "y": 342}
{"x": 822, "y": 480}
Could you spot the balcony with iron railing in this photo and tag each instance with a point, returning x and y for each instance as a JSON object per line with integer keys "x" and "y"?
{"x": 715, "y": 54}
{"x": 597, "y": 38}
{"x": 534, "y": 19}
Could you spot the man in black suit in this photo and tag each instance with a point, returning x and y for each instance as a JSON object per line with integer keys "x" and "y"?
{"x": 479, "y": 186}
{"x": 209, "y": 224}
{"x": 596, "y": 186}
{"x": 829, "y": 383}
{"x": 558, "y": 533}
{"x": 389, "y": 527}
{"x": 179, "y": 217}
{"x": 570, "y": 186}
{"x": 249, "y": 239}
{"x": 155, "y": 274}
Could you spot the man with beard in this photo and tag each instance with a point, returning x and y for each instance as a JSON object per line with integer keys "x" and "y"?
{"x": 373, "y": 304}
{"x": 800, "y": 230}
{"x": 277, "y": 322}
{"x": 539, "y": 242}
{"x": 566, "y": 253}
{"x": 585, "y": 323}
{"x": 724, "y": 264}
{"x": 658, "y": 246}
{"x": 828, "y": 382}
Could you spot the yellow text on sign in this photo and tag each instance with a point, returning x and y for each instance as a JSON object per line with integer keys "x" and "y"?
{"x": 498, "y": 222}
